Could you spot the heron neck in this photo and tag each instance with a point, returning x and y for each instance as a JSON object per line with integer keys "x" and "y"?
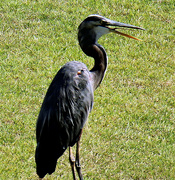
{"x": 98, "y": 71}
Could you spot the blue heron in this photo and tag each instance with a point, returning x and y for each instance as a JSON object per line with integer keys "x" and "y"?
{"x": 69, "y": 98}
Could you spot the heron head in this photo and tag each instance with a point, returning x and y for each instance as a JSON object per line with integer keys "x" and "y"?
{"x": 94, "y": 26}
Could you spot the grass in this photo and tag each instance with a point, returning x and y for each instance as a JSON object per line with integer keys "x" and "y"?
{"x": 130, "y": 133}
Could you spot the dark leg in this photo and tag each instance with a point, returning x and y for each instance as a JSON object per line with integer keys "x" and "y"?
{"x": 77, "y": 164}
{"x": 72, "y": 162}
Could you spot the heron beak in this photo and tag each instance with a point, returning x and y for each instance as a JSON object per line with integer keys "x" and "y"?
{"x": 121, "y": 25}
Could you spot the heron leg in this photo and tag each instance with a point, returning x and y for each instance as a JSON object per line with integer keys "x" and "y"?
{"x": 77, "y": 163}
{"x": 72, "y": 162}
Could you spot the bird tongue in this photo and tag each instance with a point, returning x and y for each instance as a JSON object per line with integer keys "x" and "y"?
{"x": 127, "y": 35}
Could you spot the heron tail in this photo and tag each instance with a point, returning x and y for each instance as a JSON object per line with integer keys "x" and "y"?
{"x": 46, "y": 160}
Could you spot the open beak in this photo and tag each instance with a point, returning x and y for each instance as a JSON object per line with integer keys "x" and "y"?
{"x": 121, "y": 25}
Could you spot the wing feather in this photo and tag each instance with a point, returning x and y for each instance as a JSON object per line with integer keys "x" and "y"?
{"x": 62, "y": 116}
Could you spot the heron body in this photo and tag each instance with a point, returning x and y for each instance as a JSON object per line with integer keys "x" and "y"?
{"x": 63, "y": 114}
{"x": 69, "y": 98}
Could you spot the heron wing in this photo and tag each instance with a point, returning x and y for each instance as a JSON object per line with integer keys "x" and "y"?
{"x": 62, "y": 116}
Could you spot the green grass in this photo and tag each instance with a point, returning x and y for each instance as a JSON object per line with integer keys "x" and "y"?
{"x": 130, "y": 133}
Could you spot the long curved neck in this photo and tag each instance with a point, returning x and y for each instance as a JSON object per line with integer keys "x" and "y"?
{"x": 98, "y": 53}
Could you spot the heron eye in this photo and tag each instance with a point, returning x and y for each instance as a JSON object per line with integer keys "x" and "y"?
{"x": 102, "y": 23}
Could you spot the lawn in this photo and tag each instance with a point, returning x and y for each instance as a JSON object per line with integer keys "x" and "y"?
{"x": 130, "y": 134}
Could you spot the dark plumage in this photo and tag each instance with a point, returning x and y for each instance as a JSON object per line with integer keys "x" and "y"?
{"x": 69, "y": 99}
{"x": 63, "y": 114}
